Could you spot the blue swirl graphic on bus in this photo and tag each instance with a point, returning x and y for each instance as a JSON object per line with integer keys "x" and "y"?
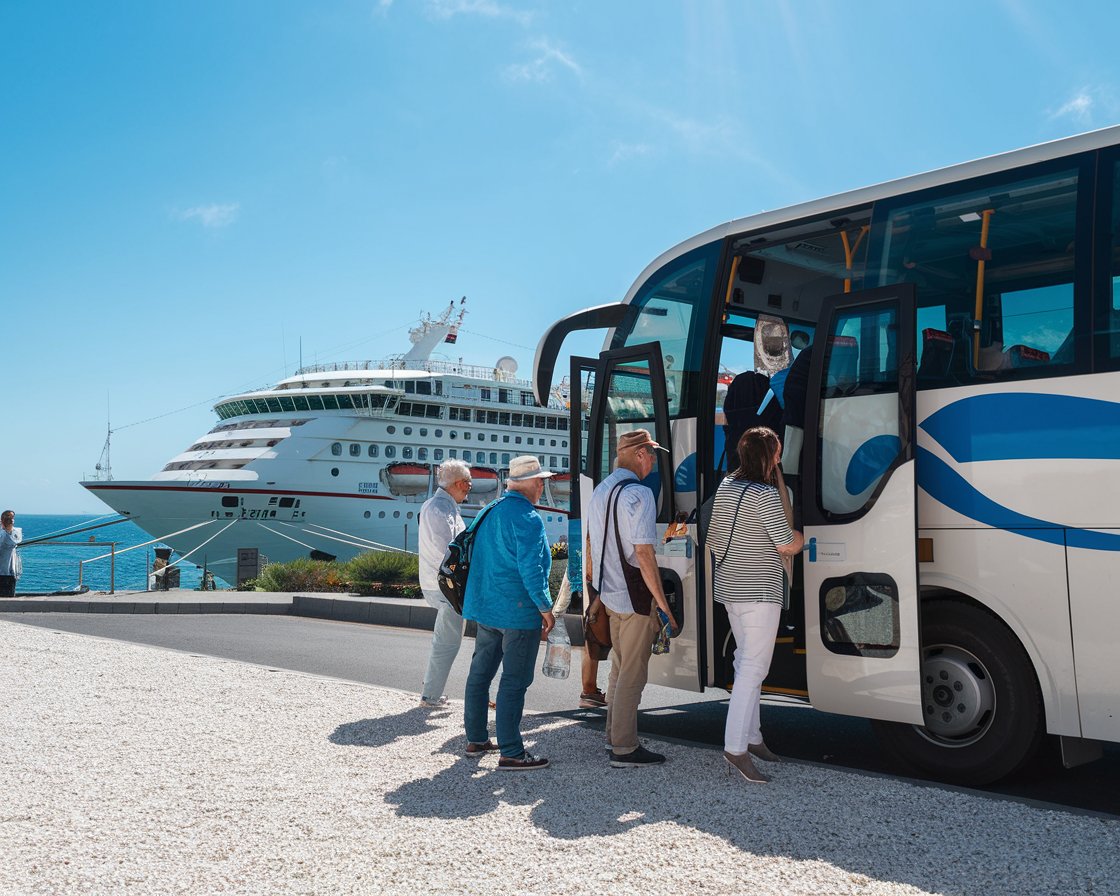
{"x": 1018, "y": 426}
{"x": 870, "y": 462}
{"x": 1027, "y": 426}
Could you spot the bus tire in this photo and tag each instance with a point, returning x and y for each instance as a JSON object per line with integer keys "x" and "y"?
{"x": 980, "y": 698}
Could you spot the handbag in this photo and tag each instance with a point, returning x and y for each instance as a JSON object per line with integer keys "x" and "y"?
{"x": 456, "y": 565}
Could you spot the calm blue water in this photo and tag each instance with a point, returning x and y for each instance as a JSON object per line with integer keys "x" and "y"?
{"x": 51, "y": 567}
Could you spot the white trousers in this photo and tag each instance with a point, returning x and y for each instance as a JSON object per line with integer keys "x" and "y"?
{"x": 755, "y": 626}
{"x": 447, "y": 635}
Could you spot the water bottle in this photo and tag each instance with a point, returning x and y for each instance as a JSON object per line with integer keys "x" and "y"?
{"x": 558, "y": 651}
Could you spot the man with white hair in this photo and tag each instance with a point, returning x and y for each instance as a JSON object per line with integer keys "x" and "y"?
{"x": 508, "y": 596}
{"x": 440, "y": 521}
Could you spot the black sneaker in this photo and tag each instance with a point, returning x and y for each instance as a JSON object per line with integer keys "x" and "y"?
{"x": 639, "y": 757}
{"x": 525, "y": 762}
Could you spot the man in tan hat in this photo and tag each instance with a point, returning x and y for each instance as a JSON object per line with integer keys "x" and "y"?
{"x": 508, "y": 596}
{"x": 629, "y": 588}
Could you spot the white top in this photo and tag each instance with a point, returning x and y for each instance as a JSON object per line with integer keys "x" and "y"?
{"x": 440, "y": 521}
{"x": 10, "y": 562}
{"x": 637, "y": 524}
{"x": 752, "y": 570}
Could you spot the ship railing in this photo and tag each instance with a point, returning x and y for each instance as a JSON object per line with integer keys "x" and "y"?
{"x": 476, "y": 371}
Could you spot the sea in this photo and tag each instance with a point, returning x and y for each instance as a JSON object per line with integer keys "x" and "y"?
{"x": 55, "y": 567}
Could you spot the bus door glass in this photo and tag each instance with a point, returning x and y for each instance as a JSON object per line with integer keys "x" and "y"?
{"x": 629, "y": 393}
{"x": 859, "y": 509}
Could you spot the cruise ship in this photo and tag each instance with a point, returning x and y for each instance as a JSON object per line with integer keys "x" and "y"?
{"x": 337, "y": 459}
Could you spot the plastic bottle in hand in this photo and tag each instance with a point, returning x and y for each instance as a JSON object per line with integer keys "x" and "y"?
{"x": 558, "y": 651}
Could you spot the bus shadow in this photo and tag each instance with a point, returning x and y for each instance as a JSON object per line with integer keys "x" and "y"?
{"x": 874, "y": 828}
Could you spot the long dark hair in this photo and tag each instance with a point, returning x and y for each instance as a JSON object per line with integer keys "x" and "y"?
{"x": 756, "y": 450}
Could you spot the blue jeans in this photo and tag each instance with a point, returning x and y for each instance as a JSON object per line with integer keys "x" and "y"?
{"x": 515, "y": 649}
{"x": 446, "y": 638}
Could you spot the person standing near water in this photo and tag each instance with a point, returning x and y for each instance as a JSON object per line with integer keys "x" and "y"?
{"x": 10, "y": 564}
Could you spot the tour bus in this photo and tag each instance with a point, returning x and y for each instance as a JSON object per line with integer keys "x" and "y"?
{"x": 941, "y": 357}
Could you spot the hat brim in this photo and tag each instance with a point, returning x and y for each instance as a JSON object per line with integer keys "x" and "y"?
{"x": 541, "y": 474}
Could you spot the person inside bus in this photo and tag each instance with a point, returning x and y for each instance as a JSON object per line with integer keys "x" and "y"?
{"x": 752, "y": 538}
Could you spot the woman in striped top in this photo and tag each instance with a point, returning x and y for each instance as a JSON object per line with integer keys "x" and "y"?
{"x": 750, "y": 535}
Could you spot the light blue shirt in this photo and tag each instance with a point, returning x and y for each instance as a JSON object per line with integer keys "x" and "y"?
{"x": 510, "y": 563}
{"x": 637, "y": 524}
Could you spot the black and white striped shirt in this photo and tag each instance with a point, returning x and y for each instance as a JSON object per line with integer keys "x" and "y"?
{"x": 752, "y": 568}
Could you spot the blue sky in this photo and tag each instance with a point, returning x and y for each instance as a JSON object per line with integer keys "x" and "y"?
{"x": 188, "y": 191}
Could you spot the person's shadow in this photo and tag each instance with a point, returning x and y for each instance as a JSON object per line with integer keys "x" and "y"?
{"x": 386, "y": 729}
{"x": 873, "y": 827}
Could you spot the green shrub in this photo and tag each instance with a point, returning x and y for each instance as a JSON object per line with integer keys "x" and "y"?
{"x": 386, "y": 567}
{"x": 302, "y": 574}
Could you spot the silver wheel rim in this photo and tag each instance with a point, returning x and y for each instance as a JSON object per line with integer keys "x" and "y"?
{"x": 958, "y": 697}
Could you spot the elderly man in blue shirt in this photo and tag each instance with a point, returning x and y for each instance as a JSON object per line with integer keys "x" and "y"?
{"x": 508, "y": 596}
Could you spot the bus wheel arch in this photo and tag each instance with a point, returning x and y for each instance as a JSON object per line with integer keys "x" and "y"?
{"x": 980, "y": 696}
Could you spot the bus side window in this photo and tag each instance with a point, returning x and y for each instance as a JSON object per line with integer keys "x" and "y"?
{"x": 1011, "y": 243}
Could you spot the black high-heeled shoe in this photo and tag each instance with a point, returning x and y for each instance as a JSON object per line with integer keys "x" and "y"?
{"x": 743, "y": 764}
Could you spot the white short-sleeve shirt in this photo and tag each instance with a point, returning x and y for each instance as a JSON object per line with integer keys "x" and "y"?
{"x": 637, "y": 524}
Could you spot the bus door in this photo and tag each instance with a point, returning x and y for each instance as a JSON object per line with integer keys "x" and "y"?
{"x": 859, "y": 509}
{"x": 627, "y": 393}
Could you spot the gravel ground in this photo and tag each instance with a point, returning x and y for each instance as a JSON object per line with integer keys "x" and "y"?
{"x": 129, "y": 769}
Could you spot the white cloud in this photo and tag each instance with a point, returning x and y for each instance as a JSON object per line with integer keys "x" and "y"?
{"x": 1079, "y": 107}
{"x": 446, "y": 9}
{"x": 211, "y": 216}
{"x": 543, "y": 66}
{"x": 624, "y": 152}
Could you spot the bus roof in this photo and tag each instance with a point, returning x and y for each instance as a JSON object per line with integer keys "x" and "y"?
{"x": 1041, "y": 152}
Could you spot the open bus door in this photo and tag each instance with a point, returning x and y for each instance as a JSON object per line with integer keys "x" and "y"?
{"x": 859, "y": 509}
{"x": 620, "y": 391}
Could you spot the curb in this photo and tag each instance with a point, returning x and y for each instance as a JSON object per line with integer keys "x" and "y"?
{"x": 394, "y": 612}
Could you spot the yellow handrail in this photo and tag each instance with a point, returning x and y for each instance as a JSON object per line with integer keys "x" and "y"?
{"x": 850, "y": 252}
{"x": 985, "y": 220}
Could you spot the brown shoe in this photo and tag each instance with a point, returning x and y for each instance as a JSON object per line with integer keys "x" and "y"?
{"x": 742, "y": 764}
{"x": 525, "y": 762}
{"x": 480, "y": 749}
{"x": 763, "y": 752}
{"x": 592, "y": 700}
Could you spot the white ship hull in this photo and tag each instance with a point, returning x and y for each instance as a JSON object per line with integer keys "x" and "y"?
{"x": 338, "y": 459}
{"x": 329, "y": 523}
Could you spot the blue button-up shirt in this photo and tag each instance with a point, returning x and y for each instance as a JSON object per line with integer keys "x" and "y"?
{"x": 510, "y": 563}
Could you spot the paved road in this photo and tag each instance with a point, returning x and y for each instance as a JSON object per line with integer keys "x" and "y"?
{"x": 396, "y": 658}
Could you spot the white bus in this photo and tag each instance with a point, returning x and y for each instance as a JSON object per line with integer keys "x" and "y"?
{"x": 941, "y": 355}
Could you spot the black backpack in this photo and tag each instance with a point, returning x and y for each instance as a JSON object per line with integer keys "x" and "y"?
{"x": 456, "y": 563}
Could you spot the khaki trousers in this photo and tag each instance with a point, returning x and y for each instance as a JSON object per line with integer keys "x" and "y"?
{"x": 631, "y": 642}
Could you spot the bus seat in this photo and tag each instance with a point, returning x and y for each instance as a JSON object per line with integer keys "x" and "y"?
{"x": 1025, "y": 356}
{"x": 843, "y": 365}
{"x": 938, "y": 348}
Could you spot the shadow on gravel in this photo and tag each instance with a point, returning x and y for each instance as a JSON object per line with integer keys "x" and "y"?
{"x": 386, "y": 729}
{"x": 877, "y": 829}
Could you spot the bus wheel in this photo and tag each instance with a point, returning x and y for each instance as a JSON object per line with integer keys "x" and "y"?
{"x": 981, "y": 701}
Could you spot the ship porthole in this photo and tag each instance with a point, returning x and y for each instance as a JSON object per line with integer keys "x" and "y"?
{"x": 334, "y": 471}
{"x": 366, "y": 514}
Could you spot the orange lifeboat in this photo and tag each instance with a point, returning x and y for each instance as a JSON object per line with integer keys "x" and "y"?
{"x": 484, "y": 481}
{"x": 405, "y": 478}
{"x": 561, "y": 486}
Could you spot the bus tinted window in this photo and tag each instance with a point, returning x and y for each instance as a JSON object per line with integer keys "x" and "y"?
{"x": 672, "y": 309}
{"x": 1009, "y": 247}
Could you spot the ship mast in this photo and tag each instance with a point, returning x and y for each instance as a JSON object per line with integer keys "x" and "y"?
{"x": 431, "y": 333}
